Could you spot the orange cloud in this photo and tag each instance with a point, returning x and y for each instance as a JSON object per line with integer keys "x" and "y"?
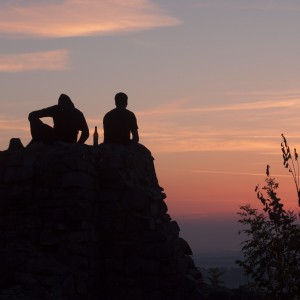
{"x": 51, "y": 61}
{"x": 177, "y": 107}
{"x": 81, "y": 17}
{"x": 166, "y": 136}
{"x": 247, "y": 126}
{"x": 9, "y": 128}
{"x": 10, "y": 124}
{"x": 238, "y": 173}
{"x": 263, "y": 5}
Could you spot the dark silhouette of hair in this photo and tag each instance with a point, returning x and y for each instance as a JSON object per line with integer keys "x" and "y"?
{"x": 64, "y": 101}
{"x": 121, "y": 99}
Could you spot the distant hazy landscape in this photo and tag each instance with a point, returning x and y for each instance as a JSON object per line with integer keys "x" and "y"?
{"x": 233, "y": 276}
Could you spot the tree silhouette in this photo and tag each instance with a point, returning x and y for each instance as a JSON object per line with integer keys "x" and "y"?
{"x": 215, "y": 276}
{"x": 272, "y": 248}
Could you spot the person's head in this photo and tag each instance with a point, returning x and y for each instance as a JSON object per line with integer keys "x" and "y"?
{"x": 121, "y": 100}
{"x": 64, "y": 101}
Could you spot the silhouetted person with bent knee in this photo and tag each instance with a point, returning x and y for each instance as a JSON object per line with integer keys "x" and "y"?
{"x": 67, "y": 119}
{"x": 120, "y": 123}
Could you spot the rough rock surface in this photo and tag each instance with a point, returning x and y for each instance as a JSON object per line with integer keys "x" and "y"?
{"x": 82, "y": 222}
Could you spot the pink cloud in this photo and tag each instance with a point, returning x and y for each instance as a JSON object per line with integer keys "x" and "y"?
{"x": 178, "y": 108}
{"x": 80, "y": 18}
{"x": 50, "y": 60}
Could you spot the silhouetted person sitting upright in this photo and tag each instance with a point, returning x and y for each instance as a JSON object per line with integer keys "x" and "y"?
{"x": 119, "y": 123}
{"x": 67, "y": 119}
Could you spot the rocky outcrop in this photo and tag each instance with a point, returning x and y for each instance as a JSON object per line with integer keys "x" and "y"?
{"x": 82, "y": 222}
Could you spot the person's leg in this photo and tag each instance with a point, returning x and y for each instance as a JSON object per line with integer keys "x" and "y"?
{"x": 41, "y": 132}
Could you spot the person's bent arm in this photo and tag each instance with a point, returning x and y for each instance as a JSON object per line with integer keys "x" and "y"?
{"x": 42, "y": 113}
{"x": 135, "y": 136}
{"x": 84, "y": 132}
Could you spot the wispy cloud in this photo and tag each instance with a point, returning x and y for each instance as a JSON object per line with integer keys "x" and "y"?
{"x": 69, "y": 18}
{"x": 270, "y": 95}
{"x": 10, "y": 128}
{"x": 14, "y": 124}
{"x": 246, "y": 126}
{"x": 57, "y": 60}
{"x": 171, "y": 137}
{"x": 179, "y": 108}
{"x": 237, "y": 173}
{"x": 265, "y": 5}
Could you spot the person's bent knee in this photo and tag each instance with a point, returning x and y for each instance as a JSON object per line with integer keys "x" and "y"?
{"x": 31, "y": 117}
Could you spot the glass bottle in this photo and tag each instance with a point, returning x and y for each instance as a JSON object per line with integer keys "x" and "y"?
{"x": 95, "y": 137}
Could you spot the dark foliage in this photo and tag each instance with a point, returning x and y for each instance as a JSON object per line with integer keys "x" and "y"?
{"x": 272, "y": 248}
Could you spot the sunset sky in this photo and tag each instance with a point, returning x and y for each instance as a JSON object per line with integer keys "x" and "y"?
{"x": 213, "y": 84}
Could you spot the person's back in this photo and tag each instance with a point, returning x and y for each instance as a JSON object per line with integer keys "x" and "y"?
{"x": 119, "y": 123}
{"x": 67, "y": 119}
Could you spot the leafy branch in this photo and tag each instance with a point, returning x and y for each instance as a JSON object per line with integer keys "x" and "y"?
{"x": 291, "y": 163}
{"x": 272, "y": 246}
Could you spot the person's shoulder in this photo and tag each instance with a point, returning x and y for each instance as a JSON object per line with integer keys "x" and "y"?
{"x": 113, "y": 111}
{"x": 78, "y": 111}
{"x": 109, "y": 113}
{"x": 129, "y": 112}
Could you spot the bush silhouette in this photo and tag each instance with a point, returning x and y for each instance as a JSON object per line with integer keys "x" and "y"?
{"x": 272, "y": 248}
{"x": 215, "y": 275}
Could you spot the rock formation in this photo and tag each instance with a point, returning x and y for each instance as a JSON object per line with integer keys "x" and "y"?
{"x": 88, "y": 223}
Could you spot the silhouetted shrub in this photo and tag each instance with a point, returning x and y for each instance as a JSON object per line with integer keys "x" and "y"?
{"x": 272, "y": 248}
{"x": 215, "y": 275}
